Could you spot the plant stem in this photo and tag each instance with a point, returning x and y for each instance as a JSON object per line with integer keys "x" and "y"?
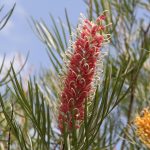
{"x": 90, "y": 10}
{"x": 130, "y": 110}
{"x": 9, "y": 136}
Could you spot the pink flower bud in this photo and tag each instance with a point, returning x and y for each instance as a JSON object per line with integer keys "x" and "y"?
{"x": 80, "y": 78}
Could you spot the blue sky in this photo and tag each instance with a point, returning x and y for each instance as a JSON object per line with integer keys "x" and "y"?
{"x": 17, "y": 36}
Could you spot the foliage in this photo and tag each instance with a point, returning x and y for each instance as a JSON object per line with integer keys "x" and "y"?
{"x": 5, "y": 18}
{"x": 28, "y": 119}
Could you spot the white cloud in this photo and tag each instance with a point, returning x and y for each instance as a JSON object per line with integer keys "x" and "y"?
{"x": 18, "y": 60}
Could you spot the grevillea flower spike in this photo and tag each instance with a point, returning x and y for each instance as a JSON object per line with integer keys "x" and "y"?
{"x": 142, "y": 123}
{"x": 83, "y": 70}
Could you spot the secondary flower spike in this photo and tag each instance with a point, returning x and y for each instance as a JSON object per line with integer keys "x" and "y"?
{"x": 83, "y": 71}
{"x": 142, "y": 123}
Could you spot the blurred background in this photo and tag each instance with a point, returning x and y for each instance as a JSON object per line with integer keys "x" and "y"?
{"x": 18, "y": 38}
{"x": 126, "y": 77}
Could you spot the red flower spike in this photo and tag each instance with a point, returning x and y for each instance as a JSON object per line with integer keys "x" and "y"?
{"x": 83, "y": 67}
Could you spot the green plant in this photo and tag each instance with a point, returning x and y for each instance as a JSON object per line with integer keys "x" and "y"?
{"x": 29, "y": 118}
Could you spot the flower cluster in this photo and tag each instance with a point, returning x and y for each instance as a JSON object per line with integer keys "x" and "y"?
{"x": 142, "y": 123}
{"x": 82, "y": 69}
